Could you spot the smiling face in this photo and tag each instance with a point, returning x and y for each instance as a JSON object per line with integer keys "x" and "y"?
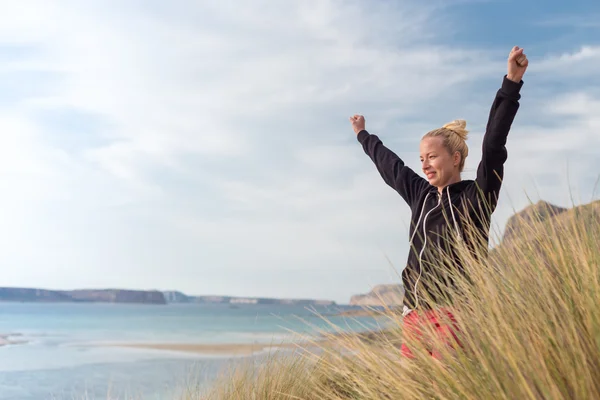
{"x": 439, "y": 166}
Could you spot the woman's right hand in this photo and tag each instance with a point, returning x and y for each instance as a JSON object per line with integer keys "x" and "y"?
{"x": 358, "y": 123}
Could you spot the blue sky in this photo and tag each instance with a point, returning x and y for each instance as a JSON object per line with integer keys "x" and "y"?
{"x": 205, "y": 146}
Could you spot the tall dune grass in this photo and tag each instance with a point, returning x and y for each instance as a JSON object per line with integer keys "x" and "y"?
{"x": 530, "y": 329}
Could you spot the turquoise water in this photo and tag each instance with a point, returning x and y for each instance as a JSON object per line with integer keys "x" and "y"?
{"x": 62, "y": 350}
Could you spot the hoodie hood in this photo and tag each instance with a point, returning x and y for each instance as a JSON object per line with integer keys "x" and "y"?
{"x": 456, "y": 187}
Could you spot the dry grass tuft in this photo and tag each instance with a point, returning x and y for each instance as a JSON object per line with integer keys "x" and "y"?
{"x": 530, "y": 328}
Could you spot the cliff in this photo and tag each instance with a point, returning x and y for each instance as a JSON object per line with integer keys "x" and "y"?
{"x": 118, "y": 296}
{"x": 558, "y": 220}
{"x": 34, "y": 295}
{"x": 380, "y": 295}
{"x": 176, "y": 297}
{"x": 517, "y": 224}
{"x": 82, "y": 296}
{"x": 140, "y": 297}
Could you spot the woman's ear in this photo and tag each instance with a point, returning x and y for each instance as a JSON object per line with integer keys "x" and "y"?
{"x": 456, "y": 158}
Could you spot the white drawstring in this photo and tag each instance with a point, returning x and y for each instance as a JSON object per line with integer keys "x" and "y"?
{"x": 452, "y": 211}
{"x": 419, "y": 220}
{"x": 423, "y": 249}
{"x": 406, "y": 310}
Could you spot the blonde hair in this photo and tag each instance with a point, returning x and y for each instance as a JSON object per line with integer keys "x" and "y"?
{"x": 454, "y": 136}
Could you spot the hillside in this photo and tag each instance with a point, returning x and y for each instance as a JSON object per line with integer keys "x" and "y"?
{"x": 380, "y": 295}
{"x": 82, "y": 295}
{"x": 119, "y": 296}
{"x": 33, "y": 295}
{"x": 541, "y": 211}
{"x": 139, "y": 297}
{"x": 553, "y": 218}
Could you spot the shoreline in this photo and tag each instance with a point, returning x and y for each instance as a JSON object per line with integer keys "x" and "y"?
{"x": 217, "y": 349}
{"x": 6, "y": 339}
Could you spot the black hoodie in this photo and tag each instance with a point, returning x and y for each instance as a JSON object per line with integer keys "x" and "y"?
{"x": 439, "y": 214}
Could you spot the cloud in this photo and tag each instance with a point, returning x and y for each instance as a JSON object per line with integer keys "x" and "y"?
{"x": 206, "y": 146}
{"x": 590, "y": 20}
{"x": 581, "y": 63}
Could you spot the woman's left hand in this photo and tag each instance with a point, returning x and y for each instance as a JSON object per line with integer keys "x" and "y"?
{"x": 517, "y": 64}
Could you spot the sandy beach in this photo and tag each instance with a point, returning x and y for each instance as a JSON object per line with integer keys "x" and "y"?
{"x": 247, "y": 349}
{"x": 242, "y": 349}
{"x": 7, "y": 339}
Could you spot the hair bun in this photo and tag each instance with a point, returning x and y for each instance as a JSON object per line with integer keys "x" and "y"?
{"x": 458, "y": 126}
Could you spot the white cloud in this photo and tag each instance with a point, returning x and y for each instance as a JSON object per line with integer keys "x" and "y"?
{"x": 571, "y": 65}
{"x": 220, "y": 135}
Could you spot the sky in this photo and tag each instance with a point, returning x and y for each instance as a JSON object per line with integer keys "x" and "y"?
{"x": 205, "y": 146}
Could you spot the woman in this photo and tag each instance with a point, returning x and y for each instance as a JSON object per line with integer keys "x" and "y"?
{"x": 443, "y": 202}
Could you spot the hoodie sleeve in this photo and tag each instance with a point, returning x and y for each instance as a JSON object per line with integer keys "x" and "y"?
{"x": 490, "y": 171}
{"x": 392, "y": 169}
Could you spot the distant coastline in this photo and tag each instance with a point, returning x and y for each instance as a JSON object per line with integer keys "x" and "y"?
{"x": 179, "y": 297}
{"x": 37, "y": 295}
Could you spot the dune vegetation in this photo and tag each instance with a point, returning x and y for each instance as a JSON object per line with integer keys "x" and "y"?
{"x": 529, "y": 318}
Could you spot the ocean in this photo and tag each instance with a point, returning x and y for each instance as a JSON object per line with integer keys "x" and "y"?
{"x": 62, "y": 351}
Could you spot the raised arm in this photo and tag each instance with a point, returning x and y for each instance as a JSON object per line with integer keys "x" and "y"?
{"x": 504, "y": 109}
{"x": 391, "y": 167}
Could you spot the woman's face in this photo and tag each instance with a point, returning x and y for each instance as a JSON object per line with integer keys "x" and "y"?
{"x": 439, "y": 166}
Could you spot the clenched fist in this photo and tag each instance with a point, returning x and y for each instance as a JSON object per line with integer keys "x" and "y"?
{"x": 517, "y": 64}
{"x": 358, "y": 123}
